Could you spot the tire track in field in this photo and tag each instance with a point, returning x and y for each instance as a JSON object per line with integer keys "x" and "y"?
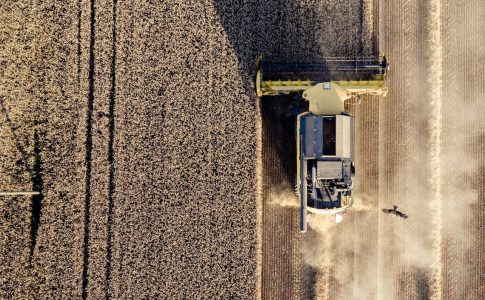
{"x": 89, "y": 149}
{"x": 111, "y": 158}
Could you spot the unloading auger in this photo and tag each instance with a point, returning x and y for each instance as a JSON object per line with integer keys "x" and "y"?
{"x": 325, "y": 131}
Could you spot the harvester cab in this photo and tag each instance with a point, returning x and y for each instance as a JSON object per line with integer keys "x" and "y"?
{"x": 325, "y": 131}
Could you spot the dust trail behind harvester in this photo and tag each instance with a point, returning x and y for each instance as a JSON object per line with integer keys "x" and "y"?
{"x": 284, "y": 198}
{"x": 317, "y": 246}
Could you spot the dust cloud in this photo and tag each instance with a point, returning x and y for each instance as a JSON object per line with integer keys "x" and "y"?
{"x": 438, "y": 176}
{"x": 284, "y": 198}
{"x": 361, "y": 204}
{"x": 317, "y": 246}
{"x": 434, "y": 182}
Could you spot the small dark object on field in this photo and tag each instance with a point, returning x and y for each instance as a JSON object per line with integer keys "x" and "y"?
{"x": 394, "y": 211}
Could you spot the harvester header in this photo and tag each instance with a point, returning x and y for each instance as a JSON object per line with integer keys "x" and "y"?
{"x": 283, "y": 78}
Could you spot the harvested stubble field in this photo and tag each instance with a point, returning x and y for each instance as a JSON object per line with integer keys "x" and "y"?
{"x": 164, "y": 177}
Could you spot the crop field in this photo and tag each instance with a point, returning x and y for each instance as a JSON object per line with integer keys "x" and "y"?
{"x": 163, "y": 176}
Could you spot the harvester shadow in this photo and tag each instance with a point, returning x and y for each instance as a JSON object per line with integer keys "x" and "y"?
{"x": 288, "y": 32}
{"x": 260, "y": 27}
{"x": 285, "y": 31}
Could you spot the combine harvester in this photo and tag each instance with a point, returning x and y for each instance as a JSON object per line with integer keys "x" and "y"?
{"x": 325, "y": 131}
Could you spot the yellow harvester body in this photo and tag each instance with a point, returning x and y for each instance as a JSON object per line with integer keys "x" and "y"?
{"x": 325, "y": 134}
